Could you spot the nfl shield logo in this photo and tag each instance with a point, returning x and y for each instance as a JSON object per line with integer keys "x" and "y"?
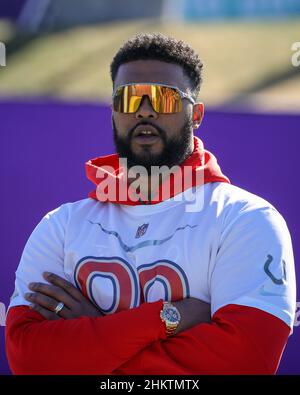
{"x": 141, "y": 230}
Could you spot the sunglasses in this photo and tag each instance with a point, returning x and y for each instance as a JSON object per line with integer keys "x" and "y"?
{"x": 165, "y": 99}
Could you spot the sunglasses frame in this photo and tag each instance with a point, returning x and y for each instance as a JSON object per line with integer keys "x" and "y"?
{"x": 182, "y": 94}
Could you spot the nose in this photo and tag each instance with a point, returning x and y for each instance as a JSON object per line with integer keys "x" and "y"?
{"x": 146, "y": 110}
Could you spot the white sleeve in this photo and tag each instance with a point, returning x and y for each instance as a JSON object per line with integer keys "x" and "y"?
{"x": 44, "y": 251}
{"x": 254, "y": 264}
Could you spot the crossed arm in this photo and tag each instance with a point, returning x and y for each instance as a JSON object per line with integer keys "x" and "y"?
{"x": 83, "y": 341}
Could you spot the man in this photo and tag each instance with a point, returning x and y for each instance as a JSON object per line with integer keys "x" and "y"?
{"x": 96, "y": 276}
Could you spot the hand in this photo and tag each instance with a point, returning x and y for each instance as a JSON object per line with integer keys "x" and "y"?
{"x": 192, "y": 311}
{"x": 46, "y": 297}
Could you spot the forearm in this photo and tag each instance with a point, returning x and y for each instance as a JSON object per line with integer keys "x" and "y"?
{"x": 192, "y": 311}
{"x": 239, "y": 340}
{"x": 85, "y": 345}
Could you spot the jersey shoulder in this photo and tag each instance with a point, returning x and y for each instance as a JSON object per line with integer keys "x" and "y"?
{"x": 70, "y": 209}
{"x": 234, "y": 198}
{"x": 235, "y": 205}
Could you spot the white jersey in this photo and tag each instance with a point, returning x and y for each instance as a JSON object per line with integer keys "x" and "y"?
{"x": 236, "y": 250}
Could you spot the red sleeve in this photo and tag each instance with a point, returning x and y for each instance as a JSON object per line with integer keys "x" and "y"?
{"x": 85, "y": 345}
{"x": 239, "y": 340}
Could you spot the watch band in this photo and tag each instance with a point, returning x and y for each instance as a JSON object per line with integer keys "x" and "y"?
{"x": 170, "y": 326}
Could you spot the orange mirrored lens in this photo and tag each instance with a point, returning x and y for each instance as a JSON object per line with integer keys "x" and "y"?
{"x": 127, "y": 99}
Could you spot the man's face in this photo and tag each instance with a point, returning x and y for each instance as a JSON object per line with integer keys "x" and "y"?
{"x": 174, "y": 141}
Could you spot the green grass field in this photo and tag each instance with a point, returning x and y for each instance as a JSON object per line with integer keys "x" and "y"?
{"x": 242, "y": 61}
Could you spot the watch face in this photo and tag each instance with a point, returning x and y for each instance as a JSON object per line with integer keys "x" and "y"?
{"x": 171, "y": 315}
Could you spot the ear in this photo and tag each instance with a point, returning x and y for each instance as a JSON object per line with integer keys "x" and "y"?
{"x": 198, "y": 114}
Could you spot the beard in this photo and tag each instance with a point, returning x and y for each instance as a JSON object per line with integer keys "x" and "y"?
{"x": 175, "y": 149}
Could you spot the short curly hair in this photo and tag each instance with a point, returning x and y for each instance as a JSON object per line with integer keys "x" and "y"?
{"x": 156, "y": 46}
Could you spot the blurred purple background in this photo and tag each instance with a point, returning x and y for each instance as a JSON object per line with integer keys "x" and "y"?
{"x": 44, "y": 146}
{"x": 11, "y": 9}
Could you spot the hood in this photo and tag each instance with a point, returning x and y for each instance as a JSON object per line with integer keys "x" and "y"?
{"x": 111, "y": 182}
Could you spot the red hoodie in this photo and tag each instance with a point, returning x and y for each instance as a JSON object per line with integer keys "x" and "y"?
{"x": 237, "y": 341}
{"x": 203, "y": 164}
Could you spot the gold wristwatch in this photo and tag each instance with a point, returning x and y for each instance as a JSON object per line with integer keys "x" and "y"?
{"x": 171, "y": 317}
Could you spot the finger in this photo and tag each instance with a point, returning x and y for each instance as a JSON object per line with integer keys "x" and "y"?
{"x": 64, "y": 284}
{"x": 54, "y": 292}
{"x": 48, "y": 303}
{"x": 49, "y": 315}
